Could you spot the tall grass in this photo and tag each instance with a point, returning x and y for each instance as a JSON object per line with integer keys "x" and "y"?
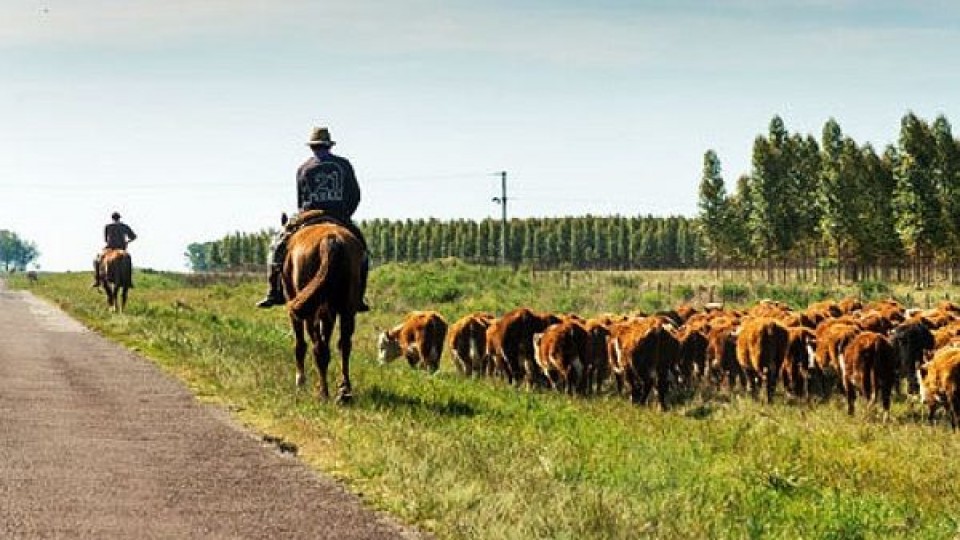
{"x": 480, "y": 459}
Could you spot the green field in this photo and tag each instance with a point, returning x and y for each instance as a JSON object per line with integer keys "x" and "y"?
{"x": 479, "y": 459}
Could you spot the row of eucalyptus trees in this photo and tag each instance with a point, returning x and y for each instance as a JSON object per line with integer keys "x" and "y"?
{"x": 587, "y": 242}
{"x": 811, "y": 204}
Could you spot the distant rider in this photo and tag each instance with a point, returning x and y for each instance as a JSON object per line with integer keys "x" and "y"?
{"x": 324, "y": 182}
{"x": 116, "y": 235}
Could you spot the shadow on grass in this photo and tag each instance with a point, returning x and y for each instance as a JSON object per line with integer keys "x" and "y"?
{"x": 381, "y": 398}
{"x": 700, "y": 412}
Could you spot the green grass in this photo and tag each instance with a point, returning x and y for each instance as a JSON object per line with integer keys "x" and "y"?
{"x": 479, "y": 459}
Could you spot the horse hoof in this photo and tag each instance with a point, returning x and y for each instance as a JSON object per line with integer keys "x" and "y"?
{"x": 344, "y": 397}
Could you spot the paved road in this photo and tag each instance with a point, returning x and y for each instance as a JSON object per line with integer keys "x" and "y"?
{"x": 96, "y": 442}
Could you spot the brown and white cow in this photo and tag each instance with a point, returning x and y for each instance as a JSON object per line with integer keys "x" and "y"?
{"x": 799, "y": 361}
{"x": 868, "y": 365}
{"x": 419, "y": 339}
{"x": 644, "y": 354}
{"x": 468, "y": 343}
{"x": 561, "y": 353}
{"x": 761, "y": 348}
{"x": 722, "y": 354}
{"x": 832, "y": 337}
{"x": 510, "y": 343}
{"x": 692, "y": 361}
{"x": 940, "y": 384}
{"x": 598, "y": 331}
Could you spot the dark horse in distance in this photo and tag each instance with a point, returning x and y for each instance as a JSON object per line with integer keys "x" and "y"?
{"x": 321, "y": 280}
{"x": 116, "y": 275}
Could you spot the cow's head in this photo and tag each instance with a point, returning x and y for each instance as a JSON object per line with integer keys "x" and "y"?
{"x": 388, "y": 348}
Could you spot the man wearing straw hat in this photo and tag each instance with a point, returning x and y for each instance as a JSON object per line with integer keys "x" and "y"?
{"x": 324, "y": 182}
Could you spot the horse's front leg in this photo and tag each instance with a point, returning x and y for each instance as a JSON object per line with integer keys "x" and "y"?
{"x": 347, "y": 326}
{"x": 123, "y": 299}
{"x": 299, "y": 349}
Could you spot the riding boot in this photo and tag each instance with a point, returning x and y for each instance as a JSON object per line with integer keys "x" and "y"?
{"x": 364, "y": 271}
{"x": 274, "y": 296}
{"x": 96, "y": 272}
{"x": 278, "y": 252}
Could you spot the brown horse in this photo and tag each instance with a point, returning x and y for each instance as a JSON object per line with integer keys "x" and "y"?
{"x": 321, "y": 280}
{"x": 116, "y": 276}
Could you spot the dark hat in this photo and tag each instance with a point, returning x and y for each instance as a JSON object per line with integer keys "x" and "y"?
{"x": 115, "y": 215}
{"x": 320, "y": 136}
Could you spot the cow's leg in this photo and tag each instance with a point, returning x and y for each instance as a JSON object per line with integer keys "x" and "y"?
{"x": 459, "y": 362}
{"x": 954, "y": 404}
{"x": 663, "y": 385}
{"x": 646, "y": 385}
{"x": 886, "y": 389}
{"x": 347, "y": 326}
{"x": 752, "y": 377}
{"x": 851, "y": 392}
{"x": 771, "y": 379}
{"x": 632, "y": 384}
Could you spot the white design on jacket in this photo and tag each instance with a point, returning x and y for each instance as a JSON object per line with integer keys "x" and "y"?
{"x": 326, "y": 185}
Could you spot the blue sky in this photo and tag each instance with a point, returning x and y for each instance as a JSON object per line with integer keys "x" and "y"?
{"x": 189, "y": 117}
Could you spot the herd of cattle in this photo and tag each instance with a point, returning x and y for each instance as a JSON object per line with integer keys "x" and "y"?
{"x": 863, "y": 349}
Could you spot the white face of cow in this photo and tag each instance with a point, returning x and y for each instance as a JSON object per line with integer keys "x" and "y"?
{"x": 388, "y": 349}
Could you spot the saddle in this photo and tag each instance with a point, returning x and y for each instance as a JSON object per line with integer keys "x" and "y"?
{"x": 316, "y": 217}
{"x": 310, "y": 217}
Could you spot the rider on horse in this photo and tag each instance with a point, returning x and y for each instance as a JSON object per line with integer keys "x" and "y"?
{"x": 117, "y": 235}
{"x": 325, "y": 183}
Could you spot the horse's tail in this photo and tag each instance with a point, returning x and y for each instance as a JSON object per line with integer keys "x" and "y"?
{"x": 307, "y": 298}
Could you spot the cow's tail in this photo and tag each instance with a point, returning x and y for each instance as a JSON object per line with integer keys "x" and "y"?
{"x": 308, "y": 297}
{"x": 618, "y": 353}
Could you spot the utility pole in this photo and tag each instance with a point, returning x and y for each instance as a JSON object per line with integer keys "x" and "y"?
{"x": 502, "y": 201}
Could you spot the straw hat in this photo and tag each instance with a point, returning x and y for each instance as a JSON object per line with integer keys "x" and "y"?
{"x": 320, "y": 136}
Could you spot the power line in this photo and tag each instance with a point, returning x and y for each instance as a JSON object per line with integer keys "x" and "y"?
{"x": 421, "y": 178}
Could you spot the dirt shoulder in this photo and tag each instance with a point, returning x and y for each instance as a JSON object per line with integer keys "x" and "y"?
{"x": 96, "y": 442}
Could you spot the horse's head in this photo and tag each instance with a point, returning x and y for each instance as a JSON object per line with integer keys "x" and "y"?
{"x": 387, "y": 347}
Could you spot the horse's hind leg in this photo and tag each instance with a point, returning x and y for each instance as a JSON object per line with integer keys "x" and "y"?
{"x": 320, "y": 335}
{"x": 347, "y": 326}
{"x": 111, "y": 298}
{"x": 299, "y": 349}
{"x": 123, "y": 299}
